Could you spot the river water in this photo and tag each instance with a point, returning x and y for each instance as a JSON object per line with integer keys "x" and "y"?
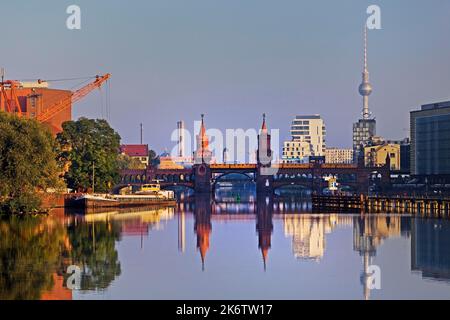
{"x": 224, "y": 249}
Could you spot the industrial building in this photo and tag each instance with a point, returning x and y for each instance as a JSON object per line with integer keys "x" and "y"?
{"x": 376, "y": 156}
{"x": 37, "y": 100}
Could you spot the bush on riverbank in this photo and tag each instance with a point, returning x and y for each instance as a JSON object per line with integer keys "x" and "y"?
{"x": 27, "y": 164}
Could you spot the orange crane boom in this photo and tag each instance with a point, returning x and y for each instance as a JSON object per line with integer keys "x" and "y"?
{"x": 59, "y": 106}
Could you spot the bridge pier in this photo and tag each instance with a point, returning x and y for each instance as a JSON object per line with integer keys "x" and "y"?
{"x": 203, "y": 177}
{"x": 264, "y": 184}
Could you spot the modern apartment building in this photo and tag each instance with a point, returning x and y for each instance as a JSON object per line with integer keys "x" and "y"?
{"x": 296, "y": 151}
{"x": 308, "y": 139}
{"x": 310, "y": 129}
{"x": 338, "y": 155}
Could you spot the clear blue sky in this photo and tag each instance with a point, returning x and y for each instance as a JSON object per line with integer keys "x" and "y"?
{"x": 235, "y": 59}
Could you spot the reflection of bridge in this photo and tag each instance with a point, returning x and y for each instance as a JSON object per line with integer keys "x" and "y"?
{"x": 203, "y": 177}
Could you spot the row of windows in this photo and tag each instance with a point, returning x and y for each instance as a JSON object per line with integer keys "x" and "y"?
{"x": 361, "y": 130}
{"x": 306, "y": 137}
{"x": 300, "y": 128}
{"x": 296, "y": 122}
{"x": 300, "y": 133}
{"x": 292, "y": 154}
{"x": 294, "y": 149}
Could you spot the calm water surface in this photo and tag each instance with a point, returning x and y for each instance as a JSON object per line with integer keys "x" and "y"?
{"x": 225, "y": 250}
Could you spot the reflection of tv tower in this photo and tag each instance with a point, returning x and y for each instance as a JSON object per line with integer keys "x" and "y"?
{"x": 366, "y": 276}
{"x": 264, "y": 226}
{"x": 368, "y": 234}
{"x": 363, "y": 242}
{"x": 202, "y": 226}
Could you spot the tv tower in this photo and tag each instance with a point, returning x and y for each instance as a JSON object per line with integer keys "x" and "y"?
{"x": 365, "y": 128}
{"x": 365, "y": 89}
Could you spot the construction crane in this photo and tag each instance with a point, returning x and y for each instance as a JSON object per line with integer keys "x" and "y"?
{"x": 11, "y": 101}
{"x": 9, "y": 88}
{"x": 74, "y": 97}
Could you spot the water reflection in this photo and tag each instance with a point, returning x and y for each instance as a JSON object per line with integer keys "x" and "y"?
{"x": 35, "y": 252}
{"x": 369, "y": 232}
{"x": 32, "y": 251}
{"x": 309, "y": 233}
{"x": 202, "y": 225}
{"x": 93, "y": 250}
{"x": 430, "y": 249}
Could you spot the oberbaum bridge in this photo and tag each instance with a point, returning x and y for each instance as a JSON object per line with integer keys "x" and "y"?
{"x": 203, "y": 177}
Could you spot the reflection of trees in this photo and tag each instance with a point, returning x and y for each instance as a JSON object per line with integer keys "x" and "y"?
{"x": 94, "y": 251}
{"x": 30, "y": 250}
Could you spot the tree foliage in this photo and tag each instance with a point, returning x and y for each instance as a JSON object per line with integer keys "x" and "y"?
{"x": 127, "y": 162}
{"x": 27, "y": 163}
{"x": 87, "y": 142}
{"x": 151, "y": 155}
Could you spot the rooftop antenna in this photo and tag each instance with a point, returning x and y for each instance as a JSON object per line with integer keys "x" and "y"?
{"x": 142, "y": 129}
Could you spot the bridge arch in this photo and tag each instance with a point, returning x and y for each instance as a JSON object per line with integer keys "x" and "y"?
{"x": 249, "y": 176}
{"x": 304, "y": 185}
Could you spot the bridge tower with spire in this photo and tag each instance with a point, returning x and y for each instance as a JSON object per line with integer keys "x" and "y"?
{"x": 202, "y": 161}
{"x": 264, "y": 157}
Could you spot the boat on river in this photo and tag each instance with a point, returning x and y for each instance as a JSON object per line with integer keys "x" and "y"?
{"x": 146, "y": 196}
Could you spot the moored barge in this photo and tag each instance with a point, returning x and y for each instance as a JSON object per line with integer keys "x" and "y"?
{"x": 118, "y": 201}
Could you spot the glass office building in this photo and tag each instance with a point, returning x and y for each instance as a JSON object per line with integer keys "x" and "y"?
{"x": 430, "y": 140}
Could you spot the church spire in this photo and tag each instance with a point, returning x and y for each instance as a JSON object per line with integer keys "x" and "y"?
{"x": 264, "y": 126}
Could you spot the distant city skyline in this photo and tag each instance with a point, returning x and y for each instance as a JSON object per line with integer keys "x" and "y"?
{"x": 234, "y": 61}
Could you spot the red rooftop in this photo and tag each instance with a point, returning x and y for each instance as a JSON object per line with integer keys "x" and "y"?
{"x": 134, "y": 150}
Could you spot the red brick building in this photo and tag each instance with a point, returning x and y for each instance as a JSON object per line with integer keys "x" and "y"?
{"x": 136, "y": 151}
{"x": 34, "y": 101}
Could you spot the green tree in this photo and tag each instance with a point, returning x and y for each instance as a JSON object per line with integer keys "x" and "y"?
{"x": 127, "y": 162}
{"x": 27, "y": 164}
{"x": 151, "y": 155}
{"x": 86, "y": 143}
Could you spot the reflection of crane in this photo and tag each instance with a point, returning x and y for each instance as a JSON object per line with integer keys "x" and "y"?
{"x": 74, "y": 97}
{"x": 14, "y": 94}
